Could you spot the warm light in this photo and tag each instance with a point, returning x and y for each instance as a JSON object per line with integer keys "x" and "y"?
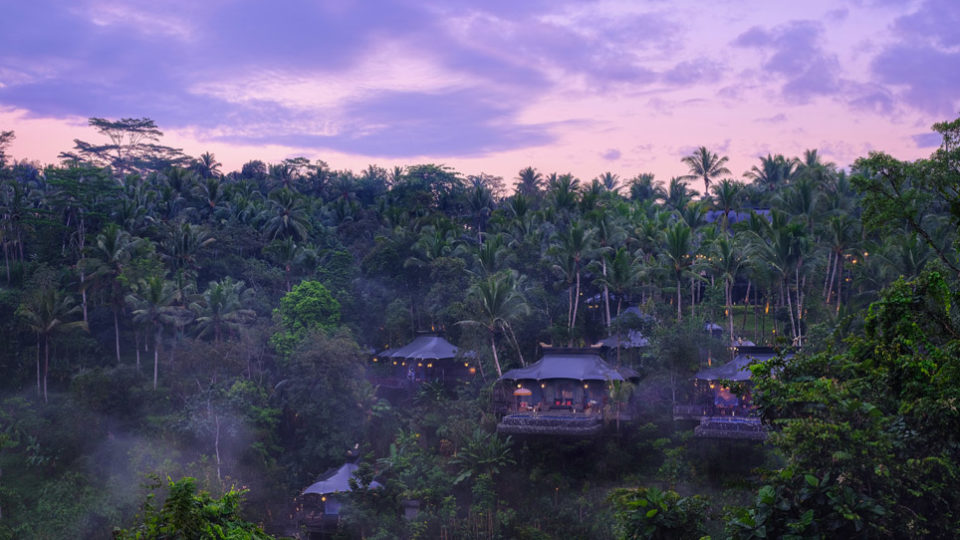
{"x": 586, "y": 385}
{"x": 712, "y": 385}
{"x": 767, "y": 309}
{"x": 419, "y": 364}
{"x": 394, "y": 362}
{"x": 519, "y": 385}
{"x": 543, "y": 385}
{"x": 429, "y": 365}
{"x": 466, "y": 364}
{"x": 374, "y": 359}
{"x": 324, "y": 498}
{"x": 403, "y": 363}
{"x": 473, "y": 371}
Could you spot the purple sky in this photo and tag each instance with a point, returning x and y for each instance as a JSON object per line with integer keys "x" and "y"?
{"x": 487, "y": 86}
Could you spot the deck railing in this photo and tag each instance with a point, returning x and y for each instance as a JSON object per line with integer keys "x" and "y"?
{"x": 730, "y": 427}
{"x": 547, "y": 424}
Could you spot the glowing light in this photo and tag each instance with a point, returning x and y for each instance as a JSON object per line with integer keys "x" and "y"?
{"x": 543, "y": 385}
{"x": 419, "y": 364}
{"x": 473, "y": 371}
{"x": 429, "y": 365}
{"x": 466, "y": 364}
{"x": 586, "y": 385}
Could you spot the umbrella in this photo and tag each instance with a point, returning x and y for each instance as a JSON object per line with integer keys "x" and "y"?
{"x": 522, "y": 392}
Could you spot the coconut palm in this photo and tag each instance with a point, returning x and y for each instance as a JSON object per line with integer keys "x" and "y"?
{"x": 773, "y": 171}
{"x": 727, "y": 260}
{"x": 677, "y": 257}
{"x": 726, "y": 198}
{"x": 498, "y": 302}
{"x": 153, "y": 304}
{"x": 221, "y": 308}
{"x": 288, "y": 215}
{"x": 110, "y": 252}
{"x": 47, "y": 313}
{"x": 642, "y": 188}
{"x": 530, "y": 182}
{"x": 706, "y": 165}
{"x": 569, "y": 251}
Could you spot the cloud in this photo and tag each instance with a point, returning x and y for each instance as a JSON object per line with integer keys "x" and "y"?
{"x": 794, "y": 55}
{"x": 927, "y": 140}
{"x": 701, "y": 70}
{"x": 775, "y": 119}
{"x": 611, "y": 155}
{"x": 923, "y": 67}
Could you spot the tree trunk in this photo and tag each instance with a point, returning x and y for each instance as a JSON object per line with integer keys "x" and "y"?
{"x": 826, "y": 278}
{"x": 728, "y": 297}
{"x": 156, "y": 357}
{"x": 116, "y": 332}
{"x": 39, "y": 392}
{"x": 793, "y": 323}
{"x": 679, "y": 295}
{"x": 83, "y": 293}
{"x": 693, "y": 300}
{"x": 606, "y": 291}
{"x": 46, "y": 365}
{"x": 496, "y": 360}
{"x": 136, "y": 334}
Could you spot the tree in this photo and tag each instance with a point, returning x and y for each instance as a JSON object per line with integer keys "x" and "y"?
{"x": 153, "y": 304}
{"x": 649, "y": 513}
{"x": 308, "y": 307}
{"x": 568, "y": 251}
{"x": 869, "y": 432}
{"x": 132, "y": 148}
{"x": 287, "y": 217}
{"x": 221, "y": 308}
{"x": 110, "y": 252}
{"x": 773, "y": 172}
{"x": 6, "y": 137}
{"x": 498, "y": 302}
{"x": 187, "y": 513}
{"x": 678, "y": 257}
{"x": 530, "y": 182}
{"x": 47, "y": 314}
{"x": 706, "y": 165}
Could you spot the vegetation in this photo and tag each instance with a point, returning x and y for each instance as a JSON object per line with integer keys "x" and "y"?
{"x": 260, "y": 296}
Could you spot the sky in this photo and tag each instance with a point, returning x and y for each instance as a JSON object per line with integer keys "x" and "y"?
{"x": 488, "y": 86}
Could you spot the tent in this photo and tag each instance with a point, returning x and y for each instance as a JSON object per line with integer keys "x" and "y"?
{"x": 738, "y": 369}
{"x": 336, "y": 481}
{"x": 426, "y": 347}
{"x": 567, "y": 365}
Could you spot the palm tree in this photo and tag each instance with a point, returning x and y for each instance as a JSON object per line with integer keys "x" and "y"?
{"x": 609, "y": 233}
{"x": 727, "y": 261}
{"x": 498, "y": 303}
{"x": 773, "y": 171}
{"x": 47, "y": 315}
{"x": 221, "y": 307}
{"x": 207, "y": 166}
{"x": 609, "y": 181}
{"x": 530, "y": 182}
{"x": 677, "y": 195}
{"x": 288, "y": 215}
{"x": 642, "y": 188}
{"x": 706, "y": 165}
{"x": 623, "y": 273}
{"x": 678, "y": 257}
{"x": 569, "y": 250}
{"x": 111, "y": 251}
{"x": 153, "y": 305}
{"x": 726, "y": 198}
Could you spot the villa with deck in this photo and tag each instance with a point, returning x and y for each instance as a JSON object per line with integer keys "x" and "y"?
{"x": 567, "y": 392}
{"x": 723, "y": 414}
{"x": 429, "y": 357}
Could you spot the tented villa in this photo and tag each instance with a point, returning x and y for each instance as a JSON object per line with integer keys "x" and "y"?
{"x": 567, "y": 392}
{"x": 429, "y": 357}
{"x": 722, "y": 413}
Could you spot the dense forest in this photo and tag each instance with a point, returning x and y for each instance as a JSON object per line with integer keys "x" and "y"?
{"x": 174, "y": 332}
